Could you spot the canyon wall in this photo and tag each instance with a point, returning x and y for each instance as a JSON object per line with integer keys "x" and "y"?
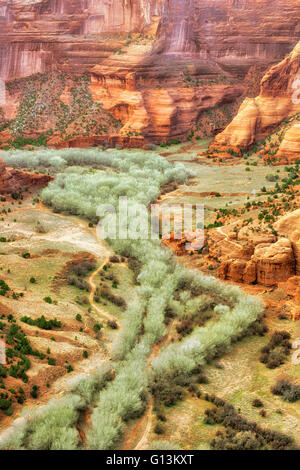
{"x": 258, "y": 117}
{"x": 230, "y": 33}
{"x": 145, "y": 56}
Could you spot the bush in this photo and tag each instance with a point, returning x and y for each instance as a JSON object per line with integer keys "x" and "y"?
{"x": 41, "y": 322}
{"x": 114, "y": 259}
{"x": 83, "y": 267}
{"x": 288, "y": 391}
{"x": 82, "y": 284}
{"x": 4, "y": 289}
{"x": 159, "y": 428}
{"x": 277, "y": 350}
{"x": 4, "y": 404}
{"x": 225, "y": 414}
{"x": 97, "y": 327}
{"x": 34, "y": 391}
{"x": 112, "y": 324}
{"x": 115, "y": 299}
{"x": 256, "y": 403}
{"x": 240, "y": 441}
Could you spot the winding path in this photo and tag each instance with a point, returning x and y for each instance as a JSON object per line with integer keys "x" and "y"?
{"x": 92, "y": 285}
{"x": 219, "y": 230}
{"x": 93, "y": 232}
{"x": 93, "y": 290}
{"x": 146, "y": 419}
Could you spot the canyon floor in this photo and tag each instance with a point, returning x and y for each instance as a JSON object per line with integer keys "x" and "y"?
{"x": 39, "y": 252}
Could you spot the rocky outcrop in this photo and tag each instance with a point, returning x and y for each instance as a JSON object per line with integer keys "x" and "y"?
{"x": 295, "y": 239}
{"x": 3, "y": 175}
{"x": 238, "y": 270}
{"x": 289, "y": 226}
{"x": 264, "y": 260}
{"x": 12, "y": 180}
{"x": 154, "y": 64}
{"x": 275, "y": 262}
{"x": 290, "y": 146}
{"x": 271, "y": 263}
{"x": 20, "y": 179}
{"x": 260, "y": 116}
{"x": 125, "y": 87}
{"x": 188, "y": 243}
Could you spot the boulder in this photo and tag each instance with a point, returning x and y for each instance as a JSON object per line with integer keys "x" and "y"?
{"x": 274, "y": 262}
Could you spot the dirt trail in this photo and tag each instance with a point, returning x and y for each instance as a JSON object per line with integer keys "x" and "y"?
{"x": 93, "y": 232}
{"x": 146, "y": 420}
{"x": 57, "y": 390}
{"x": 219, "y": 230}
{"x": 93, "y": 290}
{"x": 95, "y": 273}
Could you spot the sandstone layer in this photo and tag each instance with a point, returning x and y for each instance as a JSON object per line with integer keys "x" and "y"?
{"x": 3, "y": 175}
{"x": 154, "y": 64}
{"x": 270, "y": 263}
{"x": 12, "y": 180}
{"x": 260, "y": 116}
{"x": 289, "y": 226}
{"x": 266, "y": 259}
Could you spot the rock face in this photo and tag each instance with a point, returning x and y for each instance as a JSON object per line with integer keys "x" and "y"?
{"x": 289, "y": 226}
{"x": 3, "y": 176}
{"x": 275, "y": 262}
{"x": 265, "y": 260}
{"x": 14, "y": 180}
{"x": 292, "y": 288}
{"x": 257, "y": 117}
{"x": 290, "y": 146}
{"x": 271, "y": 263}
{"x": 231, "y": 33}
{"x": 145, "y": 56}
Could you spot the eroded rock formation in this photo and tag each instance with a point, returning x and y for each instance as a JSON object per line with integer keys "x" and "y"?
{"x": 260, "y": 116}
{"x": 266, "y": 262}
{"x": 154, "y": 64}
{"x": 3, "y": 175}
{"x": 271, "y": 263}
{"x": 12, "y": 180}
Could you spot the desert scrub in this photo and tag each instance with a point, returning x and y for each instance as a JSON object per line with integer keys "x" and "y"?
{"x": 288, "y": 391}
{"x": 161, "y": 284}
{"x": 277, "y": 350}
{"x": 39, "y": 97}
{"x": 241, "y": 434}
{"x": 53, "y": 426}
{"x": 140, "y": 179}
{"x": 41, "y": 322}
{"x": 205, "y": 343}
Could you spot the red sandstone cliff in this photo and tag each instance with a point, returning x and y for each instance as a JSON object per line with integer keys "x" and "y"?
{"x": 258, "y": 117}
{"x": 154, "y": 64}
{"x": 12, "y": 180}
